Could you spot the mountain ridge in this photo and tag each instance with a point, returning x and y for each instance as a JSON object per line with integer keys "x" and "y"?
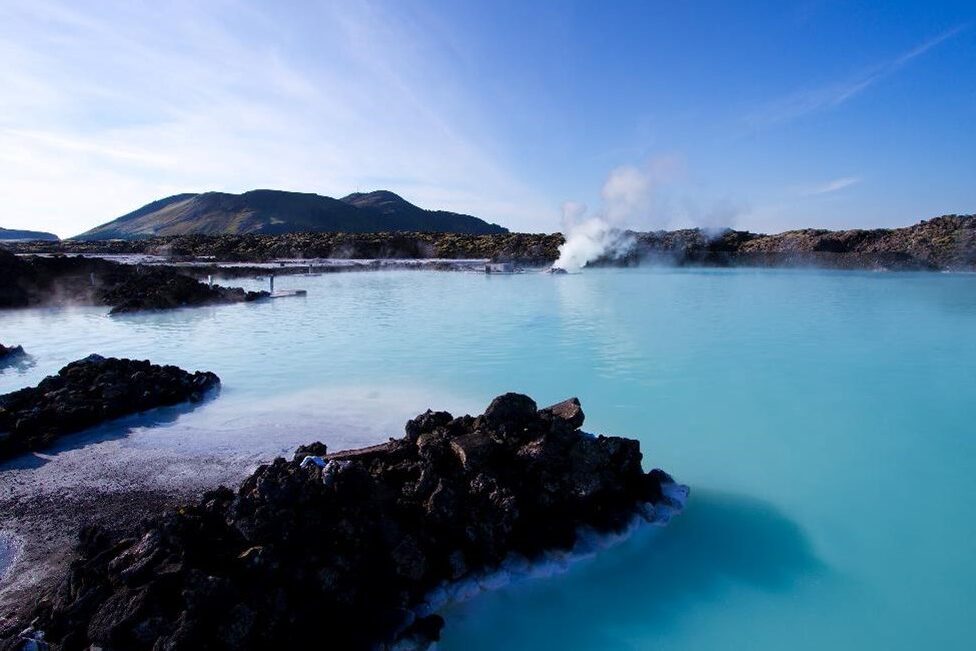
{"x": 11, "y": 234}
{"x": 277, "y": 212}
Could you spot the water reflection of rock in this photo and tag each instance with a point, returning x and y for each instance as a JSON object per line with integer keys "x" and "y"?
{"x": 648, "y": 585}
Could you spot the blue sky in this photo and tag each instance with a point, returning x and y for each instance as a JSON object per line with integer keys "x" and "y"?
{"x": 764, "y": 115}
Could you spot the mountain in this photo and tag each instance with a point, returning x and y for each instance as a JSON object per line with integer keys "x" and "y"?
{"x": 7, "y": 234}
{"x": 273, "y": 212}
{"x": 393, "y": 206}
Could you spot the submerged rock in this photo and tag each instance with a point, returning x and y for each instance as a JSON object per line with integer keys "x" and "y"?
{"x": 88, "y": 392}
{"x": 356, "y": 549}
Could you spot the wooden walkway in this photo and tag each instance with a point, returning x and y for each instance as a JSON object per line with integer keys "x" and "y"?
{"x": 285, "y": 293}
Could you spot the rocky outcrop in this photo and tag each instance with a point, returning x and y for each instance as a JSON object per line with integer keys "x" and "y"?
{"x": 353, "y": 550}
{"x": 8, "y": 353}
{"x": 158, "y": 288}
{"x": 64, "y": 280}
{"x": 88, "y": 392}
{"x": 943, "y": 243}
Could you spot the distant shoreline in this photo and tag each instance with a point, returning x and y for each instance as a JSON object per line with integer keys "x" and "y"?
{"x": 945, "y": 243}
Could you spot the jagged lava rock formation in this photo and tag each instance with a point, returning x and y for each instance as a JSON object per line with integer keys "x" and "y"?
{"x": 349, "y": 550}
{"x": 60, "y": 280}
{"x": 946, "y": 243}
{"x": 88, "y": 392}
{"x": 527, "y": 248}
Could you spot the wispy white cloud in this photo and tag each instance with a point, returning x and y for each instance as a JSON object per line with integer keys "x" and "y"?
{"x": 829, "y": 186}
{"x": 819, "y": 98}
{"x": 107, "y": 108}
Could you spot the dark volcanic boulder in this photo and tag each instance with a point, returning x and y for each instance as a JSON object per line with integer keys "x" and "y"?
{"x": 354, "y": 550}
{"x": 10, "y": 352}
{"x": 88, "y": 392}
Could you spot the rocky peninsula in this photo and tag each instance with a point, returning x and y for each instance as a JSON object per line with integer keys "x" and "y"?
{"x": 74, "y": 280}
{"x": 353, "y": 550}
{"x": 88, "y": 392}
{"x": 942, "y": 243}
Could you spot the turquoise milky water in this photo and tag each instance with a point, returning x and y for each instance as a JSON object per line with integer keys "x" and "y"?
{"x": 824, "y": 421}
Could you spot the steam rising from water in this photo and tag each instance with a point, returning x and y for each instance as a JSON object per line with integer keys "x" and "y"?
{"x": 644, "y": 197}
{"x": 627, "y": 195}
{"x": 589, "y": 240}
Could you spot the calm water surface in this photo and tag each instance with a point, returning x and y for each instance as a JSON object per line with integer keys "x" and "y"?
{"x": 824, "y": 420}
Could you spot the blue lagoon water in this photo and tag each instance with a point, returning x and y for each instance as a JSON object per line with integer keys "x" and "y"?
{"x": 824, "y": 421}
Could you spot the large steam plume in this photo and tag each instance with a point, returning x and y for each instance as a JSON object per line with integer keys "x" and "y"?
{"x": 646, "y": 197}
{"x": 588, "y": 238}
{"x": 627, "y": 195}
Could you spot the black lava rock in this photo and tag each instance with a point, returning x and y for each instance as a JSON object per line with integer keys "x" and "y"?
{"x": 88, "y": 392}
{"x": 343, "y": 550}
{"x": 65, "y": 280}
{"x": 8, "y": 353}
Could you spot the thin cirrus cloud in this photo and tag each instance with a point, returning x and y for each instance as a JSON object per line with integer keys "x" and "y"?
{"x": 830, "y": 186}
{"x": 103, "y": 111}
{"x": 820, "y": 98}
